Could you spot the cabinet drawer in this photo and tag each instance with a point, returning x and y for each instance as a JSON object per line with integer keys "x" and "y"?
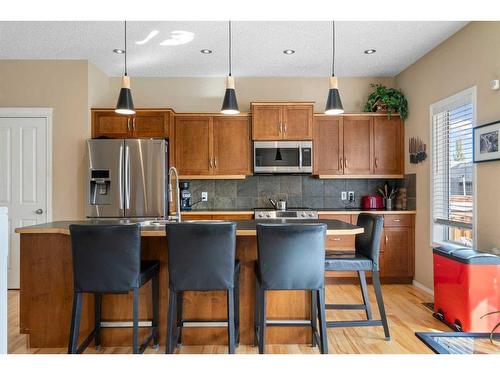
{"x": 397, "y": 220}
{"x": 340, "y": 242}
{"x": 186, "y": 216}
{"x": 232, "y": 217}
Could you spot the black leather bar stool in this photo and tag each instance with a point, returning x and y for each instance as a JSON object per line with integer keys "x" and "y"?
{"x": 201, "y": 257}
{"x": 107, "y": 260}
{"x": 291, "y": 257}
{"x": 365, "y": 258}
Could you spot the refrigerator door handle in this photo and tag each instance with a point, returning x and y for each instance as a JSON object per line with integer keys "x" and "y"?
{"x": 120, "y": 178}
{"x": 127, "y": 177}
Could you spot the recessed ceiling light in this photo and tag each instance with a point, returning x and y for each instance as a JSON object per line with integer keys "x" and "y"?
{"x": 119, "y": 51}
{"x": 206, "y": 51}
{"x": 289, "y": 52}
{"x": 370, "y": 51}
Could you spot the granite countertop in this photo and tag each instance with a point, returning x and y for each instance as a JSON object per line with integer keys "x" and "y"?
{"x": 244, "y": 227}
{"x": 353, "y": 210}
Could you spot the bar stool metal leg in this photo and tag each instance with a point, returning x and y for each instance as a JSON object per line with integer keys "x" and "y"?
{"x": 262, "y": 320}
{"x": 237, "y": 308}
{"x": 172, "y": 301}
{"x": 97, "y": 319}
{"x": 380, "y": 303}
{"x": 179, "y": 319}
{"x": 75, "y": 323}
{"x": 230, "y": 320}
{"x": 155, "y": 289}
{"x": 364, "y": 293}
{"x": 135, "y": 327}
{"x": 256, "y": 316}
{"x": 322, "y": 320}
{"x": 314, "y": 317}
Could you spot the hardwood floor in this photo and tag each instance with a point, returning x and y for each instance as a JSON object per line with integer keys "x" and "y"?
{"x": 404, "y": 308}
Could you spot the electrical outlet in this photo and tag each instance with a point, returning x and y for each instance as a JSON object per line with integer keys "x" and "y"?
{"x": 350, "y": 196}
{"x": 343, "y": 196}
{"x": 204, "y": 196}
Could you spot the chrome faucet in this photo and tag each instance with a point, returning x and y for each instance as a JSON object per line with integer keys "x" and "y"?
{"x": 177, "y": 216}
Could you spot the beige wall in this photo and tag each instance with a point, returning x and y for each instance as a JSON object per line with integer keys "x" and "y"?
{"x": 469, "y": 58}
{"x": 205, "y": 94}
{"x": 61, "y": 85}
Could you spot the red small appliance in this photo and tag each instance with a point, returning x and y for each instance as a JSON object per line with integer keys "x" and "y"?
{"x": 466, "y": 287}
{"x": 371, "y": 202}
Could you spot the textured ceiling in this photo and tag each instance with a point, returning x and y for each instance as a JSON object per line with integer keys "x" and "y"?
{"x": 257, "y": 46}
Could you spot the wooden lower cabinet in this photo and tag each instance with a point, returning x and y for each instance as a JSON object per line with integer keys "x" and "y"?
{"x": 396, "y": 248}
{"x": 397, "y": 252}
{"x": 193, "y": 215}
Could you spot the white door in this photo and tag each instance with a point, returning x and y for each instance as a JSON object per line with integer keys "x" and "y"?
{"x": 23, "y": 182}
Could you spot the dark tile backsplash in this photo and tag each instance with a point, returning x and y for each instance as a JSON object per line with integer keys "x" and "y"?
{"x": 298, "y": 191}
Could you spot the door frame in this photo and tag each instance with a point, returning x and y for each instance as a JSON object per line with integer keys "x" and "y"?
{"x": 37, "y": 112}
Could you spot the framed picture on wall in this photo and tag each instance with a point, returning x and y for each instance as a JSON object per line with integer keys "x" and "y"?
{"x": 485, "y": 140}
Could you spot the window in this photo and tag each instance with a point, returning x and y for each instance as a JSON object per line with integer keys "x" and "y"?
{"x": 452, "y": 188}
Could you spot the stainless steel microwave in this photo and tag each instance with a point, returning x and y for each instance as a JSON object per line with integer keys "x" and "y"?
{"x": 282, "y": 157}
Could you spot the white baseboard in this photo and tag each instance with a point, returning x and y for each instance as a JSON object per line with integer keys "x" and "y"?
{"x": 423, "y": 287}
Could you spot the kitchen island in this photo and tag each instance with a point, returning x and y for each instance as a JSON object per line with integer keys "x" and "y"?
{"x": 47, "y": 290}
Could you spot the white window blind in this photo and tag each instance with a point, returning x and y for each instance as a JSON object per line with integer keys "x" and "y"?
{"x": 452, "y": 169}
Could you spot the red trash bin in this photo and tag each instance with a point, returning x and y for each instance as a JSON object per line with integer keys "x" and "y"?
{"x": 466, "y": 286}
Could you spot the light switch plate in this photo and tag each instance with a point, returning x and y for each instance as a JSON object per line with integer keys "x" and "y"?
{"x": 204, "y": 196}
{"x": 343, "y": 196}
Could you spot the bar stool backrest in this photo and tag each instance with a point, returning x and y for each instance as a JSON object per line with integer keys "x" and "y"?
{"x": 367, "y": 243}
{"x": 291, "y": 256}
{"x": 106, "y": 258}
{"x": 201, "y": 256}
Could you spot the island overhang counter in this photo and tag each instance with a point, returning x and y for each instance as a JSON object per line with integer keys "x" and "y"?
{"x": 46, "y": 291}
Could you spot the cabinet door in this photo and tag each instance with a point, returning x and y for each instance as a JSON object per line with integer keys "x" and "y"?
{"x": 111, "y": 125}
{"x": 150, "y": 124}
{"x": 193, "y": 145}
{"x": 231, "y": 138}
{"x": 297, "y": 122}
{"x": 328, "y": 145}
{"x": 267, "y": 122}
{"x": 358, "y": 145}
{"x": 388, "y": 145}
{"x": 397, "y": 252}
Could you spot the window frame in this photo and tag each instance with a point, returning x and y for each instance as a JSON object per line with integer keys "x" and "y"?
{"x": 436, "y": 107}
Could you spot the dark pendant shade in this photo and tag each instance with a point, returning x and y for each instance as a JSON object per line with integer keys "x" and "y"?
{"x": 333, "y": 103}
{"x": 230, "y": 104}
{"x": 125, "y": 104}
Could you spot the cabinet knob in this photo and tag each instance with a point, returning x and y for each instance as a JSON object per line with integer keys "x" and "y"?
{"x": 376, "y": 163}
{"x": 39, "y": 211}
{"x": 396, "y": 220}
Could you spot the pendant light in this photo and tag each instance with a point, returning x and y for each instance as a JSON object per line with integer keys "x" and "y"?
{"x": 125, "y": 104}
{"x": 333, "y": 103}
{"x": 230, "y": 104}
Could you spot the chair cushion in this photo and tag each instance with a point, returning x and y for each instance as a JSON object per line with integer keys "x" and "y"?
{"x": 148, "y": 269}
{"x": 347, "y": 262}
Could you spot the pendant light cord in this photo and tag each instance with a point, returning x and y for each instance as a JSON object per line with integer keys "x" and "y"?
{"x": 333, "y": 48}
{"x": 230, "y": 52}
{"x": 125, "y": 47}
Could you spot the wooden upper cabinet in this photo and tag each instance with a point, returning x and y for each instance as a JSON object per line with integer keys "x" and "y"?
{"x": 144, "y": 124}
{"x": 193, "y": 145}
{"x": 150, "y": 124}
{"x": 232, "y": 145}
{"x": 328, "y": 145}
{"x": 358, "y": 145}
{"x": 282, "y": 121}
{"x": 388, "y": 145}
{"x": 267, "y": 122}
{"x": 107, "y": 123}
{"x": 297, "y": 122}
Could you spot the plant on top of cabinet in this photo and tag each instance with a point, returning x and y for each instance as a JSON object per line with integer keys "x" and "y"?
{"x": 384, "y": 99}
{"x": 273, "y": 121}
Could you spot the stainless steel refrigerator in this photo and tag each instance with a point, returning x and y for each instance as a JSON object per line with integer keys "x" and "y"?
{"x": 127, "y": 178}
